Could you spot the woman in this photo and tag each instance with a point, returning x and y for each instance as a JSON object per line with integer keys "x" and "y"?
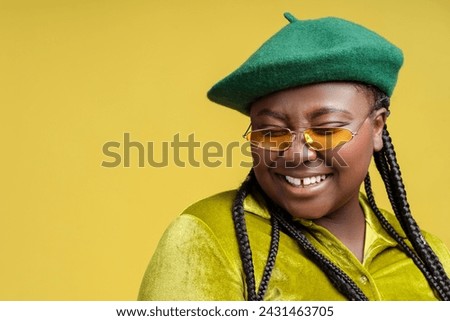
{"x": 317, "y": 94}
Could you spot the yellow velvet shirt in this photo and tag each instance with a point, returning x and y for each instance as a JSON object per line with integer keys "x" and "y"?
{"x": 198, "y": 259}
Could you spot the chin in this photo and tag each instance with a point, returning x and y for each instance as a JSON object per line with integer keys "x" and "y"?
{"x": 303, "y": 210}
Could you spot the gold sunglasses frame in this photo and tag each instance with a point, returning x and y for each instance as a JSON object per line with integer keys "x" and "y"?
{"x": 294, "y": 135}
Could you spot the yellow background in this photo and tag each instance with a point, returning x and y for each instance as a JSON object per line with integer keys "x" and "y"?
{"x": 77, "y": 74}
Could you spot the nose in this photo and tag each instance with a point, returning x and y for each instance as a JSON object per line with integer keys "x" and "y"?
{"x": 299, "y": 152}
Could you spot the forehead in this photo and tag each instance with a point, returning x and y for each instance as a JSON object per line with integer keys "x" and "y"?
{"x": 314, "y": 101}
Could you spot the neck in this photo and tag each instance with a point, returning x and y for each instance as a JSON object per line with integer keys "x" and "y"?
{"x": 349, "y": 226}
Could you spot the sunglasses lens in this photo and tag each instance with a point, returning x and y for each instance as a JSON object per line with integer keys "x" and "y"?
{"x": 327, "y": 138}
{"x": 316, "y": 138}
{"x": 271, "y": 139}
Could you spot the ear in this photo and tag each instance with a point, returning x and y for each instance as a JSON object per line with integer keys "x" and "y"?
{"x": 379, "y": 120}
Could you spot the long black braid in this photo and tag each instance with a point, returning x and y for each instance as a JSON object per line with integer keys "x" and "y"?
{"x": 386, "y": 162}
{"x": 393, "y": 233}
{"x": 389, "y": 169}
{"x": 244, "y": 244}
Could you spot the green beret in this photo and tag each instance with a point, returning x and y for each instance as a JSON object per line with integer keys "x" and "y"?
{"x": 311, "y": 51}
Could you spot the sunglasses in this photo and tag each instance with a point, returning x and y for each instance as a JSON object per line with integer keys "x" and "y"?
{"x": 316, "y": 138}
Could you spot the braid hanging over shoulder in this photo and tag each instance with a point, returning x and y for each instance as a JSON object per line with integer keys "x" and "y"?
{"x": 244, "y": 244}
{"x": 389, "y": 169}
{"x": 426, "y": 260}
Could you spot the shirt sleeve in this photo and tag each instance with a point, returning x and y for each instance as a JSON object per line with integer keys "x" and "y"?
{"x": 190, "y": 265}
{"x": 440, "y": 249}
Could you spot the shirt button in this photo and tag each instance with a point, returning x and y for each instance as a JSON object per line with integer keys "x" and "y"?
{"x": 364, "y": 279}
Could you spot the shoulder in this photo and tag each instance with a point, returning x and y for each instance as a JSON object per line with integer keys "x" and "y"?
{"x": 434, "y": 241}
{"x": 439, "y": 248}
{"x": 218, "y": 202}
{"x": 213, "y": 211}
{"x": 436, "y": 244}
{"x": 196, "y": 249}
{"x": 216, "y": 212}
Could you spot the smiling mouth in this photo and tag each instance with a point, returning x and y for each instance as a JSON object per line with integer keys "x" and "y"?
{"x": 306, "y": 181}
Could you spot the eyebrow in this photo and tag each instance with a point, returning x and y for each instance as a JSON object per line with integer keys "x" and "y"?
{"x": 268, "y": 112}
{"x": 327, "y": 110}
{"x": 314, "y": 114}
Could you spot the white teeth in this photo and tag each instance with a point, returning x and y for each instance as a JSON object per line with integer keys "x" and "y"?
{"x": 294, "y": 181}
{"x": 305, "y": 181}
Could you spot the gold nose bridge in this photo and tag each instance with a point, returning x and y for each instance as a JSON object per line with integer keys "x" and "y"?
{"x": 300, "y": 134}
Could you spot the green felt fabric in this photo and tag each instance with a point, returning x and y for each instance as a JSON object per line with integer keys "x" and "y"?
{"x": 311, "y": 51}
{"x": 198, "y": 259}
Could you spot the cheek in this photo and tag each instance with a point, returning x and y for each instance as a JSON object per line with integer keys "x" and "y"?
{"x": 259, "y": 161}
{"x": 263, "y": 160}
{"x": 355, "y": 156}
{"x": 263, "y": 163}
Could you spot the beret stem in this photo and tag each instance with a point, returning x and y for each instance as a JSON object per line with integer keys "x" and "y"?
{"x": 290, "y": 17}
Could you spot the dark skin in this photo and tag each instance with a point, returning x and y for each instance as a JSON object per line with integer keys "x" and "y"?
{"x": 333, "y": 202}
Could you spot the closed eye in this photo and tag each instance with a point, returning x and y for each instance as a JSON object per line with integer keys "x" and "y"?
{"x": 331, "y": 124}
{"x": 273, "y": 132}
{"x": 323, "y": 131}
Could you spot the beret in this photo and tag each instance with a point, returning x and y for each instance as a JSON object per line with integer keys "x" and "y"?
{"x": 311, "y": 51}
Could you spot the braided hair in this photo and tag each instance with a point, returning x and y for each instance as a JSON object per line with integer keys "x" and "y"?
{"x": 386, "y": 162}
